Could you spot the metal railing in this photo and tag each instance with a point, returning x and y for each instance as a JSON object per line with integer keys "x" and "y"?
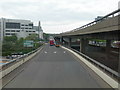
{"x": 104, "y": 68}
{"x": 113, "y": 14}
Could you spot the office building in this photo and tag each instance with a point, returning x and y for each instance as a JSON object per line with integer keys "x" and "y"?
{"x": 20, "y": 28}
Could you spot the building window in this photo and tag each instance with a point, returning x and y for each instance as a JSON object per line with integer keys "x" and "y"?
{"x": 7, "y": 30}
{"x": 26, "y": 31}
{"x": 22, "y": 25}
{"x": 12, "y": 30}
{"x": 7, "y": 34}
{"x": 12, "y": 25}
{"x": 18, "y": 31}
{"x": 31, "y": 24}
{"x": 33, "y": 31}
{"x": 26, "y": 28}
{"x": 12, "y": 33}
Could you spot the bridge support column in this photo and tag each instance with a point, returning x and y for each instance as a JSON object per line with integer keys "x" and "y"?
{"x": 108, "y": 49}
{"x": 69, "y": 43}
{"x": 61, "y": 40}
{"x": 83, "y": 45}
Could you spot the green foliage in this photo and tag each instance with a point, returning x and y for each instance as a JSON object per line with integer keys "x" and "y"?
{"x": 98, "y": 40}
{"x": 8, "y": 45}
{"x": 33, "y": 37}
{"x": 10, "y": 38}
{"x": 13, "y": 45}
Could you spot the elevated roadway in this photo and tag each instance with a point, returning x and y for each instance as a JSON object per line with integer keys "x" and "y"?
{"x": 56, "y": 68}
{"x": 108, "y": 23}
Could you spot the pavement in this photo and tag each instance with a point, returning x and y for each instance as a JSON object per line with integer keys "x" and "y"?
{"x": 55, "y": 67}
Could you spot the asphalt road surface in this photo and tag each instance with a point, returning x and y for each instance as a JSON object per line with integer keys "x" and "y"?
{"x": 56, "y": 68}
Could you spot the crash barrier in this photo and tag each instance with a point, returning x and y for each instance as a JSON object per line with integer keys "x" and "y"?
{"x": 9, "y": 67}
{"x": 106, "y": 69}
{"x": 108, "y": 75}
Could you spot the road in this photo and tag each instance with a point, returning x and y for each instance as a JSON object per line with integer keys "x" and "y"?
{"x": 56, "y": 68}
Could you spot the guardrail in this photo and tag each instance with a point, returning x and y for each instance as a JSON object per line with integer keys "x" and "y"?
{"x": 113, "y": 14}
{"x": 104, "y": 68}
{"x": 9, "y": 67}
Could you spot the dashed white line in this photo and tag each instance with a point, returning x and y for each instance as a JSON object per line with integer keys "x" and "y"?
{"x": 55, "y": 52}
{"x": 45, "y": 52}
{"x": 64, "y": 52}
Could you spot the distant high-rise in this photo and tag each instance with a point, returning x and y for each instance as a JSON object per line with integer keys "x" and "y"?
{"x": 40, "y": 31}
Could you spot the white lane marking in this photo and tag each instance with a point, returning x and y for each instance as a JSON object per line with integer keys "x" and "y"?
{"x": 45, "y": 52}
{"x": 55, "y": 52}
{"x": 64, "y": 52}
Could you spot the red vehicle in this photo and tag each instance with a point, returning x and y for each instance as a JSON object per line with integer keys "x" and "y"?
{"x": 51, "y": 42}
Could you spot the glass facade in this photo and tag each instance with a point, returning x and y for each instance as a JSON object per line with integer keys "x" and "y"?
{"x": 7, "y": 34}
{"x": 7, "y": 30}
{"x": 12, "y": 25}
{"x": 30, "y": 24}
{"x": 12, "y": 30}
{"x": 18, "y": 31}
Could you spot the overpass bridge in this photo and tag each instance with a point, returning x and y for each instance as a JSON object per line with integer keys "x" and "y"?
{"x": 95, "y": 41}
{"x": 80, "y": 62}
{"x": 97, "y": 36}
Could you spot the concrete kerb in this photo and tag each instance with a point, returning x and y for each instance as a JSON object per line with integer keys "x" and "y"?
{"x": 105, "y": 77}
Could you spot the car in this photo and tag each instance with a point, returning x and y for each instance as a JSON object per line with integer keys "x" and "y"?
{"x": 57, "y": 45}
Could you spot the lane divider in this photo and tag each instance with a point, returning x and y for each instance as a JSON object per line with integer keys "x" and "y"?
{"x": 105, "y": 77}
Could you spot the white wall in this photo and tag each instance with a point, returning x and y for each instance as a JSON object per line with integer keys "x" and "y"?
{"x": 22, "y": 29}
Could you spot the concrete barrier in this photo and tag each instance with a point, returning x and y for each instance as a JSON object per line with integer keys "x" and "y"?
{"x": 105, "y": 77}
{"x": 18, "y": 63}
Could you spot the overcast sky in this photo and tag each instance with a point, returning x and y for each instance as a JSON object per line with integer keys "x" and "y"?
{"x": 57, "y": 16}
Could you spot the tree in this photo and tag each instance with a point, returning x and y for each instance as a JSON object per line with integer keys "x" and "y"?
{"x": 10, "y": 38}
{"x": 13, "y": 45}
{"x": 33, "y": 37}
